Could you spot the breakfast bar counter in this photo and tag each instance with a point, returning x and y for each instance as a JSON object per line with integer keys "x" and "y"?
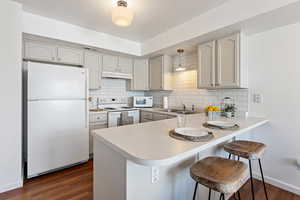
{"x": 142, "y": 161}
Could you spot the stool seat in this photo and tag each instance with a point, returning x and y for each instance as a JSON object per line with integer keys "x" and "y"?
{"x": 245, "y": 149}
{"x": 220, "y": 174}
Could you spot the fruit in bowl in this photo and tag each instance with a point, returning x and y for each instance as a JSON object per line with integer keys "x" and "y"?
{"x": 213, "y": 112}
{"x": 212, "y": 108}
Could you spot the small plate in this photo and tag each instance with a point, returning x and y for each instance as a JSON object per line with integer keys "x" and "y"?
{"x": 191, "y": 132}
{"x": 221, "y": 124}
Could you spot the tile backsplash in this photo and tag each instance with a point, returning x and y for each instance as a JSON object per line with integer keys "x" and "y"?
{"x": 117, "y": 88}
{"x": 201, "y": 98}
{"x": 112, "y": 88}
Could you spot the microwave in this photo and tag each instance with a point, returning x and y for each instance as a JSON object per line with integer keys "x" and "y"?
{"x": 142, "y": 102}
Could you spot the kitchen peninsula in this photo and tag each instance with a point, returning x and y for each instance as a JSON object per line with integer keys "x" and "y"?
{"x": 142, "y": 161}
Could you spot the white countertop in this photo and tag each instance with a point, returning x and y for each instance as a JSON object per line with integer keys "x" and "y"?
{"x": 159, "y": 111}
{"x": 150, "y": 144}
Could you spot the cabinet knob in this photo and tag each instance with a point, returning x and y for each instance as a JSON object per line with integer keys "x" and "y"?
{"x": 59, "y": 59}
{"x": 52, "y": 58}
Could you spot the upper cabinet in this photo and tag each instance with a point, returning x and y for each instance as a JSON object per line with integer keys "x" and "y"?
{"x": 125, "y": 65}
{"x": 93, "y": 62}
{"x": 219, "y": 64}
{"x": 110, "y": 63}
{"x": 160, "y": 73}
{"x": 228, "y": 62}
{"x": 39, "y": 51}
{"x": 70, "y": 55}
{"x": 45, "y": 52}
{"x": 117, "y": 67}
{"x": 140, "y": 81}
{"x": 207, "y": 59}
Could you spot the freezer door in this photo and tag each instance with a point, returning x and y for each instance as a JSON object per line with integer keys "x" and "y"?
{"x": 47, "y": 81}
{"x": 57, "y": 135}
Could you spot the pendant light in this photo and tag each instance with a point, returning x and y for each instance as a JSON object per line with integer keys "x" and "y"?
{"x": 181, "y": 62}
{"x": 122, "y": 15}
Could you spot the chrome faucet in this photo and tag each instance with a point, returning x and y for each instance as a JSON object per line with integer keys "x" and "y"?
{"x": 98, "y": 103}
{"x": 184, "y": 107}
{"x": 193, "y": 108}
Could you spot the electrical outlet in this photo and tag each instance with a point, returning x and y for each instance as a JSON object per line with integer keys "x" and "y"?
{"x": 298, "y": 163}
{"x": 257, "y": 98}
{"x": 154, "y": 174}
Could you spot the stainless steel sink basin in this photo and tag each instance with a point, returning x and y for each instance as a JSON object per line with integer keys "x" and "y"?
{"x": 186, "y": 112}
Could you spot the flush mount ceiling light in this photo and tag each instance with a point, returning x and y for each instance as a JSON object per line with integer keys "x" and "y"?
{"x": 122, "y": 15}
{"x": 181, "y": 62}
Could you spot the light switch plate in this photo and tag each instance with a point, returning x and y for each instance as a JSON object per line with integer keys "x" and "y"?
{"x": 298, "y": 163}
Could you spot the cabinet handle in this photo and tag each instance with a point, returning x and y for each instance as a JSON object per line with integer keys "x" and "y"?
{"x": 52, "y": 58}
{"x": 59, "y": 59}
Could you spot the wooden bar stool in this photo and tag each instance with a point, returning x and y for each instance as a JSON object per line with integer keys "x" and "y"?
{"x": 250, "y": 151}
{"x": 219, "y": 174}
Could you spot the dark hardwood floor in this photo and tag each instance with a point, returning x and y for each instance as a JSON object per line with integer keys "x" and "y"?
{"x": 77, "y": 184}
{"x": 74, "y": 184}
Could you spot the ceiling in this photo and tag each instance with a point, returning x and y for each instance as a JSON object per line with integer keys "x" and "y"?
{"x": 151, "y": 16}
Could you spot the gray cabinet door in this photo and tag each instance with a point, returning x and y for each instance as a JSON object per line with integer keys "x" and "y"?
{"x": 157, "y": 117}
{"x": 227, "y": 73}
{"x": 70, "y": 56}
{"x": 125, "y": 65}
{"x": 140, "y": 79}
{"x": 156, "y": 73}
{"x": 110, "y": 63}
{"x": 206, "y": 65}
{"x": 93, "y": 61}
{"x": 39, "y": 51}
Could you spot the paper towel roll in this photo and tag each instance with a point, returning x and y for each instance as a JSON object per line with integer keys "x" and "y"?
{"x": 166, "y": 102}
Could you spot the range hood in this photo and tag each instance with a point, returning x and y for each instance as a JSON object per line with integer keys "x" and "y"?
{"x": 116, "y": 75}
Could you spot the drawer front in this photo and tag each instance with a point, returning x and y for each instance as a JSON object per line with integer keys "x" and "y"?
{"x": 146, "y": 120}
{"x": 95, "y": 118}
{"x": 146, "y": 115}
{"x": 171, "y": 116}
{"x": 157, "y": 117}
{"x": 91, "y": 135}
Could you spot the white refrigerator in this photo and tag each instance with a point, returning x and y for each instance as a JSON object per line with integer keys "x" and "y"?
{"x": 56, "y": 117}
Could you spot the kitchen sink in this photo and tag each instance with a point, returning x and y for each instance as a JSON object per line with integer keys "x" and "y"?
{"x": 178, "y": 111}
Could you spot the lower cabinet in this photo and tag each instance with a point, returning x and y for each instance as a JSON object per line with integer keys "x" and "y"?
{"x": 147, "y": 116}
{"x": 97, "y": 121}
{"x": 157, "y": 117}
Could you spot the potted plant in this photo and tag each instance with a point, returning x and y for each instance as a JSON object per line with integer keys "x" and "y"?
{"x": 229, "y": 110}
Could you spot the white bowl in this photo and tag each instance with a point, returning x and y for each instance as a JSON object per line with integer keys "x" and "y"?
{"x": 191, "y": 132}
{"x": 221, "y": 124}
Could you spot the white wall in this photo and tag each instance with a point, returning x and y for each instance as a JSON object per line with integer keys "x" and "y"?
{"x": 10, "y": 100}
{"x": 232, "y": 12}
{"x": 274, "y": 71}
{"x": 42, "y": 26}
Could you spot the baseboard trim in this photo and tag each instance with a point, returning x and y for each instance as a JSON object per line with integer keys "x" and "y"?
{"x": 278, "y": 183}
{"x": 11, "y": 186}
